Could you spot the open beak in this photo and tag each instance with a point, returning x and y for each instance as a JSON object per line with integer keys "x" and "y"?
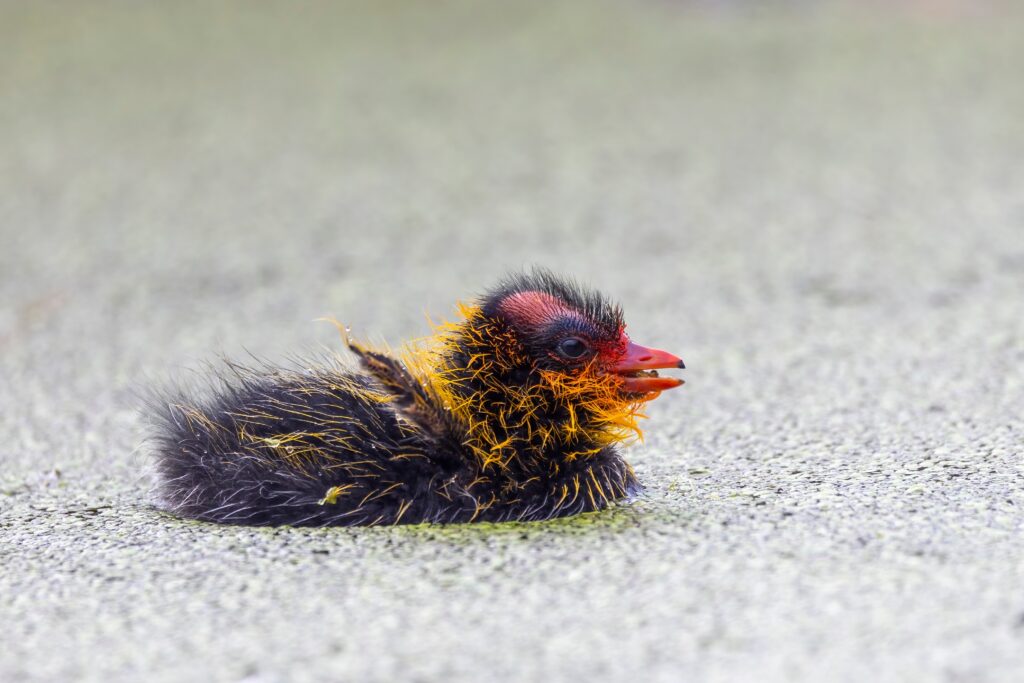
{"x": 639, "y": 367}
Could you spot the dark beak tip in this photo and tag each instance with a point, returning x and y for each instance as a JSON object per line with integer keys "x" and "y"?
{"x": 682, "y": 365}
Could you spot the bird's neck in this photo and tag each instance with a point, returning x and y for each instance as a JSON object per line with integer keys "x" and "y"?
{"x": 515, "y": 418}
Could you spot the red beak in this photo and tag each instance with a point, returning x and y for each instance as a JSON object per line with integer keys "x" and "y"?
{"x": 637, "y": 369}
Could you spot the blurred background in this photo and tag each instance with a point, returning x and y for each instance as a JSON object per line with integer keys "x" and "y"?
{"x": 820, "y": 206}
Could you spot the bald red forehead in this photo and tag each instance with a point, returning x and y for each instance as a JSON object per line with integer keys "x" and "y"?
{"x": 533, "y": 309}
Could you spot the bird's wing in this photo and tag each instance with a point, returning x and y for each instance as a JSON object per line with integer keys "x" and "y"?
{"x": 412, "y": 400}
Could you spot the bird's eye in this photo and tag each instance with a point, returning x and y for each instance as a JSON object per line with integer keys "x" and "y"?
{"x": 572, "y": 348}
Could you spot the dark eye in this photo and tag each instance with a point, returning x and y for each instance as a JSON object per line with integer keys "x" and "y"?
{"x": 573, "y": 348}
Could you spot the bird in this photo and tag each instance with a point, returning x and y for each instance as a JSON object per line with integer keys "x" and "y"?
{"x": 512, "y": 411}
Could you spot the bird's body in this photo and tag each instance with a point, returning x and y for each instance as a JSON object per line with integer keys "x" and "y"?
{"x": 512, "y": 413}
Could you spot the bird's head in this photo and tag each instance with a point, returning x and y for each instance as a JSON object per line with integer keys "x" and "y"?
{"x": 539, "y": 362}
{"x": 575, "y": 337}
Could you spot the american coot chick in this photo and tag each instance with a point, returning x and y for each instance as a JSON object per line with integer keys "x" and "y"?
{"x": 511, "y": 413}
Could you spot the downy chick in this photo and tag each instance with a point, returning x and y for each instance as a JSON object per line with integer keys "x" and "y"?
{"x": 511, "y": 413}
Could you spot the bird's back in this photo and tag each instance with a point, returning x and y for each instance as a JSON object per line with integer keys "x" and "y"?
{"x": 323, "y": 446}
